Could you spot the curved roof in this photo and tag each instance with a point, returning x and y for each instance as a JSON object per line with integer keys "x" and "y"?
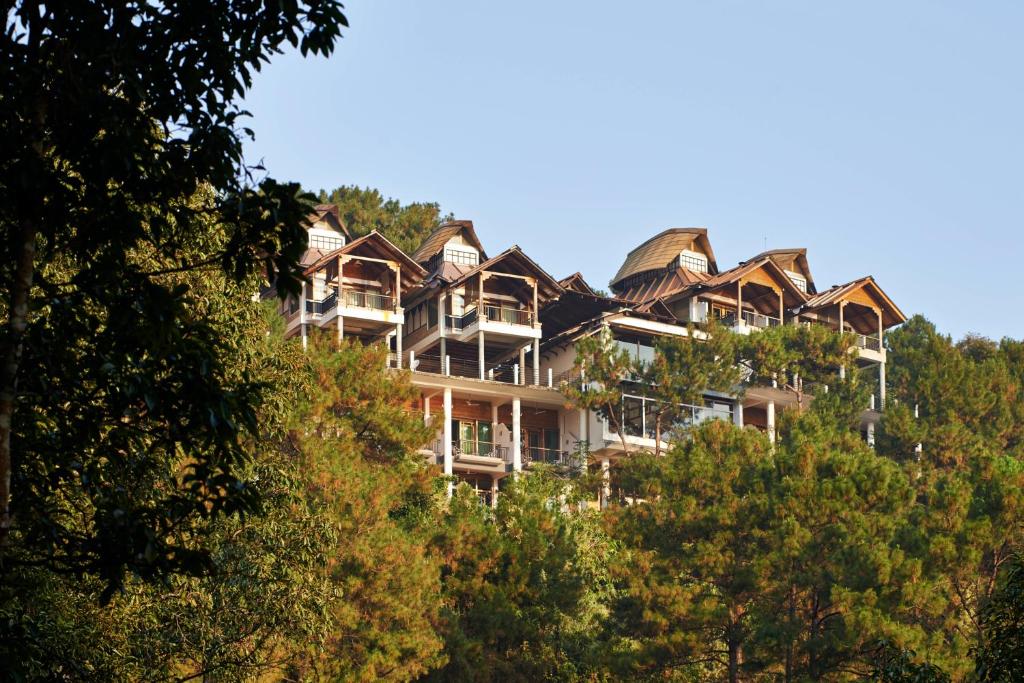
{"x": 439, "y": 237}
{"x": 658, "y": 252}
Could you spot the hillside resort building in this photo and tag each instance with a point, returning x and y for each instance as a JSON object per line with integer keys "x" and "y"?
{"x": 490, "y": 339}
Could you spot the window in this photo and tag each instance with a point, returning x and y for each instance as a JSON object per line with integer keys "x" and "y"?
{"x": 325, "y": 243}
{"x": 465, "y": 258}
{"x": 693, "y": 261}
{"x": 800, "y": 282}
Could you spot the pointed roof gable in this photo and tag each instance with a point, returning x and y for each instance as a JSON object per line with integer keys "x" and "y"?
{"x": 787, "y": 259}
{"x": 515, "y": 262}
{"x": 376, "y": 246}
{"x": 329, "y": 214}
{"x": 576, "y": 283}
{"x": 794, "y": 296}
{"x": 854, "y": 290}
{"x": 660, "y": 251}
{"x": 436, "y": 240}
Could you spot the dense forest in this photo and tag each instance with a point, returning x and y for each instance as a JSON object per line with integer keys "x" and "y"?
{"x": 186, "y": 495}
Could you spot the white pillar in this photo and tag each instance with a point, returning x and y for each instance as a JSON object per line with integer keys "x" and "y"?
{"x": 536, "y": 361}
{"x": 426, "y": 410}
{"x": 494, "y": 428}
{"x": 771, "y": 421}
{"x": 480, "y": 354}
{"x": 398, "y": 345}
{"x": 302, "y": 315}
{"x": 447, "y": 444}
{"x": 737, "y": 414}
{"x": 551, "y": 378}
{"x": 522, "y": 366}
{"x": 881, "y": 386}
{"x": 517, "y": 453}
{"x": 606, "y": 482}
{"x": 871, "y": 434}
{"x": 341, "y": 327}
{"x": 515, "y": 374}
{"x": 494, "y": 491}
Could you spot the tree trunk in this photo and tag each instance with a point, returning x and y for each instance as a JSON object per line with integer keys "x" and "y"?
{"x": 657, "y": 434}
{"x": 21, "y": 287}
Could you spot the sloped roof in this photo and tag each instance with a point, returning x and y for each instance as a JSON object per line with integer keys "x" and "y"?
{"x": 576, "y": 283}
{"x": 891, "y": 314}
{"x": 670, "y": 282}
{"x": 328, "y": 213}
{"x": 796, "y": 295}
{"x": 439, "y": 237}
{"x": 784, "y": 256}
{"x": 516, "y": 262}
{"x": 376, "y": 245}
{"x": 659, "y": 251}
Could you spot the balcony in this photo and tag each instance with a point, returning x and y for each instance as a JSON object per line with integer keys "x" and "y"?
{"x": 475, "y": 451}
{"x": 370, "y": 300}
{"x": 638, "y": 416}
{"x": 751, "y": 319}
{"x": 549, "y": 456}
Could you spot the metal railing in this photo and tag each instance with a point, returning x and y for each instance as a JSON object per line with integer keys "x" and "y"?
{"x": 371, "y": 300}
{"x": 322, "y": 306}
{"x": 869, "y": 341}
{"x": 751, "y": 319}
{"x": 511, "y": 316}
{"x": 547, "y": 456}
{"x": 457, "y": 323}
{"x": 478, "y": 449}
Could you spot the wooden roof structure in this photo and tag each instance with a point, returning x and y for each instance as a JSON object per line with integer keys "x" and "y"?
{"x": 328, "y": 213}
{"x": 660, "y": 251}
{"x": 514, "y": 262}
{"x": 750, "y": 272}
{"x": 864, "y": 291}
{"x": 576, "y": 283}
{"x": 377, "y": 247}
{"x": 439, "y": 237}
{"x": 793, "y": 259}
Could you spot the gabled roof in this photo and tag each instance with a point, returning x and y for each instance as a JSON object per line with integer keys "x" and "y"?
{"x": 329, "y": 214}
{"x": 576, "y": 283}
{"x": 439, "y": 237}
{"x": 515, "y": 262}
{"x": 891, "y": 314}
{"x": 375, "y": 245}
{"x": 795, "y": 295}
{"x": 784, "y": 257}
{"x": 658, "y": 252}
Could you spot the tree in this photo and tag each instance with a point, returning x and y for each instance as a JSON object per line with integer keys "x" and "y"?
{"x": 794, "y": 356}
{"x": 525, "y": 587}
{"x": 685, "y": 368}
{"x": 1000, "y": 654}
{"x": 602, "y": 367}
{"x": 121, "y": 418}
{"x": 364, "y": 210}
{"x": 696, "y": 574}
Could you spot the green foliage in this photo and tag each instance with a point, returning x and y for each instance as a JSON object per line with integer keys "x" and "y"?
{"x": 525, "y": 586}
{"x": 897, "y": 665}
{"x": 365, "y": 210}
{"x": 603, "y": 367}
{"x": 127, "y": 410}
{"x": 1000, "y": 654}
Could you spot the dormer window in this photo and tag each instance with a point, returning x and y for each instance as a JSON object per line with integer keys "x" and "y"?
{"x": 799, "y": 280}
{"x": 325, "y": 242}
{"x": 693, "y": 260}
{"x": 461, "y": 257}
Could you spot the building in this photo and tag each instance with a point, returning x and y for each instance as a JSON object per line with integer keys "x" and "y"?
{"x": 490, "y": 340}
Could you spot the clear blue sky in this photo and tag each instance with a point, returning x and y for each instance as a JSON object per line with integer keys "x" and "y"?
{"x": 886, "y": 137}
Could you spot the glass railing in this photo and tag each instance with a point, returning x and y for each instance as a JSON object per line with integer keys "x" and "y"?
{"x": 639, "y": 414}
{"x": 322, "y": 306}
{"x": 481, "y": 449}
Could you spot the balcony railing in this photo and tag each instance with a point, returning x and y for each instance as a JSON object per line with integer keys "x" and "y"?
{"x": 480, "y": 449}
{"x": 548, "y": 456}
{"x": 505, "y": 314}
{"x": 371, "y": 300}
{"x": 457, "y": 323}
{"x": 750, "y": 319}
{"x": 322, "y": 306}
{"x": 869, "y": 341}
{"x": 639, "y": 412}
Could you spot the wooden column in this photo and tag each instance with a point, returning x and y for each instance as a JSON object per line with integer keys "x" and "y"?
{"x": 536, "y": 312}
{"x": 782, "y": 308}
{"x": 739, "y": 302}
{"x": 442, "y": 324}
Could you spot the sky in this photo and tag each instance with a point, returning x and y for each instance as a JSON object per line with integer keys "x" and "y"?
{"x": 887, "y": 138}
